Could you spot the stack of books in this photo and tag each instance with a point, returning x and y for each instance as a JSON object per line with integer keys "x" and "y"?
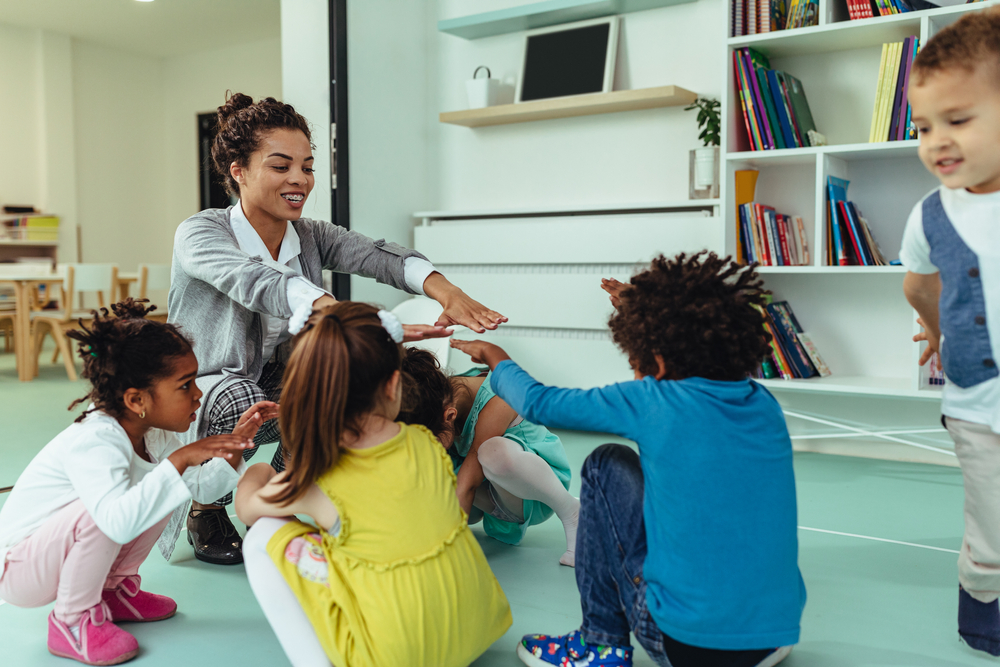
{"x": 771, "y": 238}
{"x": 850, "y": 241}
{"x": 793, "y": 354}
{"x": 866, "y": 9}
{"x": 775, "y": 110}
{"x": 891, "y": 117}
{"x": 752, "y": 17}
{"x": 32, "y": 228}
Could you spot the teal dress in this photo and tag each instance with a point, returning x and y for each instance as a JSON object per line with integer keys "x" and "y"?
{"x": 532, "y": 438}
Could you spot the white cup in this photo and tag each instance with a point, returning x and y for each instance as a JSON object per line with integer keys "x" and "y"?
{"x": 482, "y": 92}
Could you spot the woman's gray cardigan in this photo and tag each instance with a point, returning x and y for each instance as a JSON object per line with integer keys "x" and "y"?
{"x": 218, "y": 292}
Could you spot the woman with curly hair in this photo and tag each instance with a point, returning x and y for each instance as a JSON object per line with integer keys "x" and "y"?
{"x": 690, "y": 544}
{"x": 241, "y": 274}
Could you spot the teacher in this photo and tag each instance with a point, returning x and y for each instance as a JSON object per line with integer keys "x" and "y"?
{"x": 241, "y": 274}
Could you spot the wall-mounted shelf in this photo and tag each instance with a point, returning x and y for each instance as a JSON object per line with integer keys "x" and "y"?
{"x": 858, "y": 385}
{"x": 574, "y": 105}
{"x": 542, "y": 14}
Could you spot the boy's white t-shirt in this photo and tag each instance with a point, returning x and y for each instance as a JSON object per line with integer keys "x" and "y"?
{"x": 976, "y": 218}
{"x": 94, "y": 461}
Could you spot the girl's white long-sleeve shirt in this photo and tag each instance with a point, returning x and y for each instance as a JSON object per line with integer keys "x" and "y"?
{"x": 94, "y": 461}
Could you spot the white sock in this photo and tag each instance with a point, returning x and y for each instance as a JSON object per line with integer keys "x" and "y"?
{"x": 75, "y": 629}
{"x": 528, "y": 476}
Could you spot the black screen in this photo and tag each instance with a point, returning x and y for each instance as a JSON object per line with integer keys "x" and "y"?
{"x": 570, "y": 62}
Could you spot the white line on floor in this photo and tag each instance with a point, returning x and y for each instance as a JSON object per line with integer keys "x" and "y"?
{"x": 878, "y": 539}
{"x": 827, "y": 422}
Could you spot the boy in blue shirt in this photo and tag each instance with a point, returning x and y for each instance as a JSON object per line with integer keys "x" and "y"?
{"x": 951, "y": 249}
{"x": 690, "y": 544}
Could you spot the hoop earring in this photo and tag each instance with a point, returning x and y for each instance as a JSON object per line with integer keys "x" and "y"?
{"x": 143, "y": 415}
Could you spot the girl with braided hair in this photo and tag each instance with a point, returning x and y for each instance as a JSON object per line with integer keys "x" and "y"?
{"x": 691, "y": 543}
{"x": 242, "y": 275}
{"x": 87, "y": 510}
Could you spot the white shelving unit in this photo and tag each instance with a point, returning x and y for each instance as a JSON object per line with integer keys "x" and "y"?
{"x": 857, "y": 316}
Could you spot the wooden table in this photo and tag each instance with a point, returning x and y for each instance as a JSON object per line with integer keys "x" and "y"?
{"x": 24, "y": 358}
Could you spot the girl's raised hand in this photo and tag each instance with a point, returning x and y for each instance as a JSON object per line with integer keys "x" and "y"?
{"x": 254, "y": 418}
{"x": 614, "y": 288}
{"x": 481, "y": 351}
{"x": 227, "y": 447}
{"x": 412, "y": 332}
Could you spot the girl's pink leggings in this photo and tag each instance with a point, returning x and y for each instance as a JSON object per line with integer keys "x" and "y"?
{"x": 71, "y": 561}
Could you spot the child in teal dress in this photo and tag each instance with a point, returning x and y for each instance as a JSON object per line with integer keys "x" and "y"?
{"x": 511, "y": 473}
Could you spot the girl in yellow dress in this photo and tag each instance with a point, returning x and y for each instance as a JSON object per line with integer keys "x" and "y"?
{"x": 393, "y": 576}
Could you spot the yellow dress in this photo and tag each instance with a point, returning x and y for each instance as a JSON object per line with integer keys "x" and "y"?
{"x": 404, "y": 583}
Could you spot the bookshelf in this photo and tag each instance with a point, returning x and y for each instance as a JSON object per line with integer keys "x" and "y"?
{"x": 857, "y": 316}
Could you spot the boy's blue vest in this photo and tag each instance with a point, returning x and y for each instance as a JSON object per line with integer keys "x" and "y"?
{"x": 966, "y": 354}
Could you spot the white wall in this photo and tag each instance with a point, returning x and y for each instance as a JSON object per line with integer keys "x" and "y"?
{"x": 19, "y": 116}
{"x": 637, "y": 156}
{"x": 197, "y": 83}
{"x": 108, "y": 139}
{"x": 118, "y": 117}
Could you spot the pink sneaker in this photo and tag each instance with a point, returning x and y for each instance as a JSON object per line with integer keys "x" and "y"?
{"x": 128, "y": 603}
{"x": 101, "y": 641}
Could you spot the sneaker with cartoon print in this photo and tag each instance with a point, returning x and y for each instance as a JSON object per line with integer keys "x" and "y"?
{"x": 570, "y": 651}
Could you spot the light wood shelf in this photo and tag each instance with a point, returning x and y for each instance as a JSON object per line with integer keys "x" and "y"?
{"x": 543, "y": 14}
{"x": 574, "y": 105}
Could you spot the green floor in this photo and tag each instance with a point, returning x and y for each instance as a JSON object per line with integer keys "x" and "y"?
{"x": 870, "y": 602}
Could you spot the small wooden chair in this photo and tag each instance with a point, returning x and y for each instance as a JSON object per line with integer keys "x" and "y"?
{"x": 154, "y": 277}
{"x": 7, "y": 320}
{"x": 78, "y": 279}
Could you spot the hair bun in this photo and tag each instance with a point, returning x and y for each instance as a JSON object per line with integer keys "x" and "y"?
{"x": 235, "y": 103}
{"x": 131, "y": 309}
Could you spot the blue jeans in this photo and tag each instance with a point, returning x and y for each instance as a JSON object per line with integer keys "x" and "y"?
{"x": 610, "y": 554}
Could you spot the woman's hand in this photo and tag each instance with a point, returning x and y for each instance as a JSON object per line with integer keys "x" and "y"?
{"x": 459, "y": 307}
{"x": 254, "y": 418}
{"x": 227, "y": 447}
{"x": 481, "y": 351}
{"x": 412, "y": 332}
{"x": 614, "y": 288}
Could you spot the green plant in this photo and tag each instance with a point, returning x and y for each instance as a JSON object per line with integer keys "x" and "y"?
{"x": 709, "y": 120}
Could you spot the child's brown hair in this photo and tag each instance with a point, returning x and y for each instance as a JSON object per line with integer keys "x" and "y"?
{"x": 698, "y": 313}
{"x": 969, "y": 42}
{"x": 341, "y": 359}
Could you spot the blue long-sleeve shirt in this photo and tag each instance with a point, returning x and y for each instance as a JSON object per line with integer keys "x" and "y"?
{"x": 719, "y": 498}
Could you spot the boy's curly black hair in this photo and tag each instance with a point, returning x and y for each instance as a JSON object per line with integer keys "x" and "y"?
{"x": 124, "y": 350}
{"x": 700, "y": 313}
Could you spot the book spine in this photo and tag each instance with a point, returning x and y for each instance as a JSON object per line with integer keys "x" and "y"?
{"x": 902, "y": 124}
{"x": 849, "y": 230}
{"x": 768, "y": 99}
{"x": 800, "y": 136}
{"x": 898, "y": 98}
{"x": 878, "y": 95}
{"x": 793, "y": 246}
{"x": 756, "y": 137}
{"x": 803, "y": 240}
{"x": 762, "y": 235}
{"x": 787, "y": 256}
{"x": 781, "y": 362}
{"x": 892, "y": 70}
{"x": 741, "y": 93}
{"x": 838, "y": 245}
{"x": 745, "y": 236}
{"x": 784, "y": 125}
{"x": 773, "y": 237}
{"x": 767, "y": 135}
{"x": 859, "y": 232}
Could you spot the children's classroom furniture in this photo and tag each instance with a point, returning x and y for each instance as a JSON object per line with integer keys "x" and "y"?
{"x": 77, "y": 280}
{"x": 856, "y": 315}
{"x": 154, "y": 277}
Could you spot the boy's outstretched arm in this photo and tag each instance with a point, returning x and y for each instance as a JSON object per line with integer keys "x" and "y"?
{"x": 605, "y": 409}
{"x": 923, "y": 291}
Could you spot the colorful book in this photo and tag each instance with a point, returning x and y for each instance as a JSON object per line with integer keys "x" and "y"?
{"x": 813, "y": 352}
{"x": 898, "y": 99}
{"x": 803, "y": 240}
{"x": 800, "y": 107}
{"x": 781, "y": 141}
{"x": 837, "y": 191}
{"x": 778, "y": 101}
{"x": 789, "y": 340}
{"x": 745, "y": 184}
{"x": 754, "y": 61}
{"x": 878, "y": 95}
{"x": 902, "y": 124}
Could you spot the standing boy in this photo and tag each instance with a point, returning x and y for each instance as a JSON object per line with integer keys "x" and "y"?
{"x": 951, "y": 249}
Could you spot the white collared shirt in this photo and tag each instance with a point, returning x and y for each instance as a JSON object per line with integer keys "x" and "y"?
{"x": 301, "y": 292}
